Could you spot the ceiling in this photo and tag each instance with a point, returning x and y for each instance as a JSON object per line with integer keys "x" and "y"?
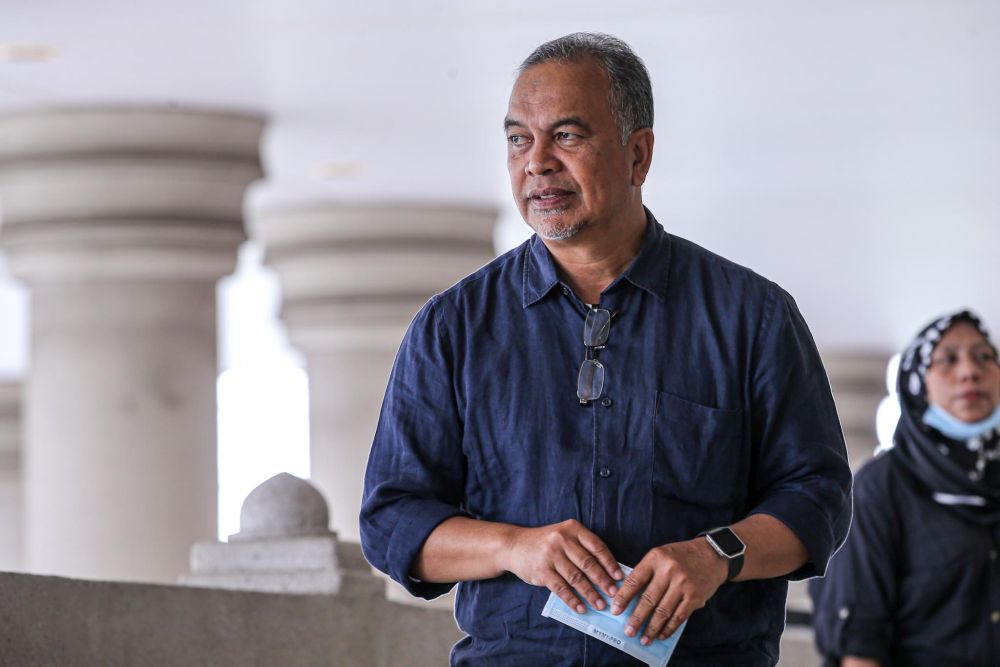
{"x": 849, "y": 150}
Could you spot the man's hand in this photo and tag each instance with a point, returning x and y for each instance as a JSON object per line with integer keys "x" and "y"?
{"x": 563, "y": 557}
{"x": 678, "y": 579}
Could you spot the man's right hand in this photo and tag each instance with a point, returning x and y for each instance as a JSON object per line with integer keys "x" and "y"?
{"x": 563, "y": 557}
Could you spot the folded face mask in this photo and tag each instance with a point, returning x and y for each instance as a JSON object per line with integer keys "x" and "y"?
{"x": 611, "y": 629}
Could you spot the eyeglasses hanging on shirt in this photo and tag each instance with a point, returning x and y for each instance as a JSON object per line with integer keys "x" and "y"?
{"x": 590, "y": 381}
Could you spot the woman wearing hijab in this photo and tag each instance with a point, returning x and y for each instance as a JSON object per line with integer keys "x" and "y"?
{"x": 917, "y": 583}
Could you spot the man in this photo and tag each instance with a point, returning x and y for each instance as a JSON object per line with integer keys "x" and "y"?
{"x": 504, "y": 463}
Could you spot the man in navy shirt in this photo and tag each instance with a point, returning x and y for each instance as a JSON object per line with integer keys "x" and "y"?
{"x": 604, "y": 393}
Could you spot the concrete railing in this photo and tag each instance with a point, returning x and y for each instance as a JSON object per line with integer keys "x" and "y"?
{"x": 56, "y": 621}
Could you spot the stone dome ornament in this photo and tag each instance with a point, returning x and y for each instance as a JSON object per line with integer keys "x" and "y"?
{"x": 285, "y": 545}
{"x": 283, "y": 506}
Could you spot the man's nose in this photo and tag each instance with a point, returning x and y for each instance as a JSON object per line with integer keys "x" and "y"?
{"x": 541, "y": 159}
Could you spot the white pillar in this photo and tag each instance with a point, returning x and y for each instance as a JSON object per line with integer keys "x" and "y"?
{"x": 857, "y": 379}
{"x": 353, "y": 276}
{"x": 10, "y": 477}
{"x": 120, "y": 221}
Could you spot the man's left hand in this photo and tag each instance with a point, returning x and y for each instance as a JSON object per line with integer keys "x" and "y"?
{"x": 678, "y": 579}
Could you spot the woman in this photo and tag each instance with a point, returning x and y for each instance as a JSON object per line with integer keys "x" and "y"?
{"x": 918, "y": 580}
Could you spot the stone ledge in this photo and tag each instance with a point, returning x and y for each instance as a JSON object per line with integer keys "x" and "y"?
{"x": 129, "y": 130}
{"x": 260, "y": 556}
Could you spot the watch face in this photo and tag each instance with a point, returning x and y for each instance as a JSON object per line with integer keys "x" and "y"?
{"x": 728, "y": 542}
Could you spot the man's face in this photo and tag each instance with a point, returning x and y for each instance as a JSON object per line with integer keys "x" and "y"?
{"x": 568, "y": 167}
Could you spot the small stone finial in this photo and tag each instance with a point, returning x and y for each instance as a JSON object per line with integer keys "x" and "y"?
{"x": 284, "y": 545}
{"x": 283, "y": 506}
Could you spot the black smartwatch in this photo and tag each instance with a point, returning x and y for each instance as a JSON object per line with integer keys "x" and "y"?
{"x": 729, "y": 546}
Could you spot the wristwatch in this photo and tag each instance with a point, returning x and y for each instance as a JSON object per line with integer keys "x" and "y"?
{"x": 728, "y": 545}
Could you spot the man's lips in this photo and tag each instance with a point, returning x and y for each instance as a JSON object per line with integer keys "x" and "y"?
{"x": 549, "y": 197}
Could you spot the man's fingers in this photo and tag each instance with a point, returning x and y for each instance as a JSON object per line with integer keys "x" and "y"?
{"x": 634, "y": 582}
{"x": 648, "y": 600}
{"x": 663, "y": 611}
{"x": 602, "y": 553}
{"x": 558, "y": 585}
{"x": 591, "y": 566}
{"x": 681, "y": 614}
{"x": 579, "y": 581}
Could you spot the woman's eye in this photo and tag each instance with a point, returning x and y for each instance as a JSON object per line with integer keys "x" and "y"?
{"x": 945, "y": 360}
{"x": 984, "y": 356}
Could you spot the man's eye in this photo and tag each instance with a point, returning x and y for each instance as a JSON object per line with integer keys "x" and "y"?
{"x": 566, "y": 136}
{"x": 517, "y": 140}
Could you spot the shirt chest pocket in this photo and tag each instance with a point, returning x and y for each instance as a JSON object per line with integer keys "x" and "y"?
{"x": 698, "y": 453}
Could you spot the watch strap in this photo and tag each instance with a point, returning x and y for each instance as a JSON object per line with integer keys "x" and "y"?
{"x": 735, "y": 566}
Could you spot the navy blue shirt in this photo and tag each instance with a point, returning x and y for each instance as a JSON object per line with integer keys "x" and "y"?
{"x": 915, "y": 585}
{"x": 715, "y": 406}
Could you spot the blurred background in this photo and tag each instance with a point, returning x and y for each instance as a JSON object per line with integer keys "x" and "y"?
{"x": 278, "y": 186}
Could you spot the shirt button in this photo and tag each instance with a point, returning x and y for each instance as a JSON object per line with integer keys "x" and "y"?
{"x": 993, "y": 554}
{"x": 565, "y": 291}
{"x": 995, "y": 617}
{"x": 604, "y": 472}
{"x": 606, "y": 402}
{"x": 844, "y": 613}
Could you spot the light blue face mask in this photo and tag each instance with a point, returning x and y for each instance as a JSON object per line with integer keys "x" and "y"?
{"x": 611, "y": 629}
{"x": 955, "y": 428}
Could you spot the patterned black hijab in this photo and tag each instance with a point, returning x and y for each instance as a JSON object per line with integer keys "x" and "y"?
{"x": 962, "y": 474}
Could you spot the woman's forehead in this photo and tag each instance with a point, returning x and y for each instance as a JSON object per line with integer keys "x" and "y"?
{"x": 962, "y": 333}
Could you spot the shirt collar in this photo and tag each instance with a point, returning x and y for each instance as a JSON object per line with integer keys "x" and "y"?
{"x": 649, "y": 270}
{"x": 540, "y": 274}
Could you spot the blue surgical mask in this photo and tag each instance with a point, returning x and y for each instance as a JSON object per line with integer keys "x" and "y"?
{"x": 956, "y": 429}
{"x": 611, "y": 629}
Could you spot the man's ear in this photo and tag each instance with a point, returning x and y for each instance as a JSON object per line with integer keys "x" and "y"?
{"x": 640, "y": 146}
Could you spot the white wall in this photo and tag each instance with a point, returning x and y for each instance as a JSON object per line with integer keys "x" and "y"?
{"x": 13, "y": 326}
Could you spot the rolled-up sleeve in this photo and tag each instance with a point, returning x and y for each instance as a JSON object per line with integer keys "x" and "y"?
{"x": 802, "y": 476}
{"x": 416, "y": 471}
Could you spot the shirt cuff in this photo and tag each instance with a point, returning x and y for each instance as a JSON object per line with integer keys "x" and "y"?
{"x": 418, "y": 520}
{"x": 809, "y": 523}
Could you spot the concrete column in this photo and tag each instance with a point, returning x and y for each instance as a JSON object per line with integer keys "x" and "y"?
{"x": 858, "y": 383}
{"x": 10, "y": 477}
{"x": 120, "y": 221}
{"x": 353, "y": 276}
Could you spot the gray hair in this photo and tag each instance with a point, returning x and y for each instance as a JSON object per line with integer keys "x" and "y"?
{"x": 631, "y": 96}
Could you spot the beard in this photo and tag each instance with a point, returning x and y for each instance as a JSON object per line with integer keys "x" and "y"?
{"x": 550, "y": 228}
